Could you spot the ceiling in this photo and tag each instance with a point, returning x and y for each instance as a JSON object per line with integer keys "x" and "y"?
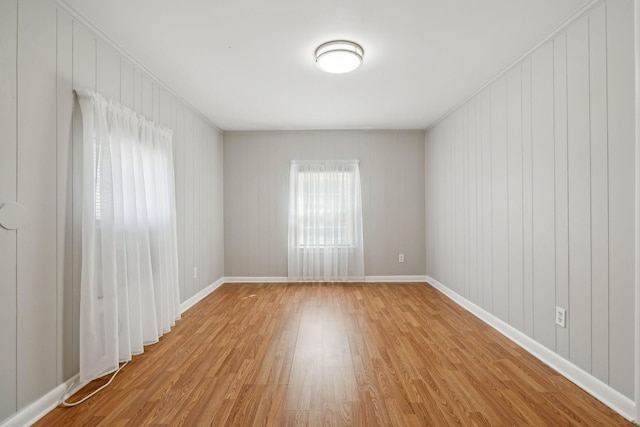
{"x": 248, "y": 65}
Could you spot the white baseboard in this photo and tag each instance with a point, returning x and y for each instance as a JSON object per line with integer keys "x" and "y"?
{"x": 598, "y": 389}
{"x": 247, "y": 279}
{"x": 41, "y": 407}
{"x": 368, "y": 279}
{"x": 395, "y": 279}
{"x": 201, "y": 295}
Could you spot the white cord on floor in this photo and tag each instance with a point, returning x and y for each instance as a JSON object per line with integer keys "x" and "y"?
{"x": 70, "y": 405}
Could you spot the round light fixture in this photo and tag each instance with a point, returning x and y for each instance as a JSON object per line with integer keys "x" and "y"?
{"x": 339, "y": 56}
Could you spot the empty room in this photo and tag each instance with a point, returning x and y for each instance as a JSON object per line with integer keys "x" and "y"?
{"x": 286, "y": 213}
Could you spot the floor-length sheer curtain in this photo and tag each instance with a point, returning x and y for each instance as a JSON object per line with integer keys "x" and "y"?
{"x": 129, "y": 280}
{"x": 325, "y": 221}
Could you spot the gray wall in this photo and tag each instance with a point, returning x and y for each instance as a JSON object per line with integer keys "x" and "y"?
{"x": 256, "y": 186}
{"x": 44, "y": 54}
{"x": 530, "y": 195}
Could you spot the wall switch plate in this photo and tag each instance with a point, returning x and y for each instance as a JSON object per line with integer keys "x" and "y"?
{"x": 561, "y": 317}
{"x": 195, "y": 272}
{"x": 400, "y": 257}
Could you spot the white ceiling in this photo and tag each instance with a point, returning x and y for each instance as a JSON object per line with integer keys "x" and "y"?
{"x": 248, "y": 65}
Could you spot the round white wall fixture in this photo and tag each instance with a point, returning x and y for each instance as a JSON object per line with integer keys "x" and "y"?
{"x": 339, "y": 56}
{"x": 11, "y": 215}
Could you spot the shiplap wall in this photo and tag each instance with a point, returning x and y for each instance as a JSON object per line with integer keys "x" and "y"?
{"x": 44, "y": 55}
{"x": 256, "y": 183}
{"x": 530, "y": 195}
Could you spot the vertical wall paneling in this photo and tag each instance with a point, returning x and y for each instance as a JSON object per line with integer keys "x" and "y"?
{"x": 599, "y": 193}
{"x": 44, "y": 54}
{"x": 392, "y": 190}
{"x": 479, "y": 200}
{"x": 8, "y": 176}
{"x": 146, "y": 97}
{"x": 473, "y": 203}
{"x": 189, "y": 198}
{"x": 37, "y": 240}
{"x": 197, "y": 135}
{"x": 527, "y": 198}
{"x": 64, "y": 250}
{"x": 543, "y": 195}
{"x": 375, "y": 232}
{"x": 557, "y": 135}
{"x": 262, "y": 196}
{"x": 514, "y": 197}
{"x": 197, "y": 203}
{"x": 637, "y": 206}
{"x": 155, "y": 102}
{"x": 413, "y": 179}
{"x": 500, "y": 213}
{"x": 127, "y": 84}
{"x": 178, "y": 159}
{"x": 465, "y": 200}
{"x": 200, "y": 204}
{"x": 231, "y": 204}
{"x": 164, "y": 119}
{"x": 137, "y": 89}
{"x": 220, "y": 263}
{"x": 487, "y": 201}
{"x": 256, "y": 196}
{"x": 456, "y": 212}
{"x": 561, "y": 186}
{"x": 430, "y": 214}
{"x": 255, "y": 259}
{"x": 206, "y": 223}
{"x": 272, "y": 164}
{"x": 579, "y": 173}
{"x": 84, "y": 77}
{"x": 107, "y": 71}
{"x": 620, "y": 109}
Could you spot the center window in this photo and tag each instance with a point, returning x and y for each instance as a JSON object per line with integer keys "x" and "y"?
{"x": 323, "y": 208}
{"x": 325, "y": 221}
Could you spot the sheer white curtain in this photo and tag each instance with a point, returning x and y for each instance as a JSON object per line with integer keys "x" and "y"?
{"x": 129, "y": 285}
{"x": 325, "y": 221}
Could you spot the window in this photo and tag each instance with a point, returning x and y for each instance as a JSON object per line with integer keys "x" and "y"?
{"x": 129, "y": 275}
{"x": 325, "y": 221}
{"x": 323, "y": 208}
{"x": 100, "y": 173}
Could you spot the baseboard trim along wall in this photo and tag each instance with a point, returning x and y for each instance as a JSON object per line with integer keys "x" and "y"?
{"x": 395, "y": 279}
{"x": 41, "y": 407}
{"x": 247, "y": 279}
{"x": 598, "y": 389}
{"x": 368, "y": 279}
{"x": 201, "y": 295}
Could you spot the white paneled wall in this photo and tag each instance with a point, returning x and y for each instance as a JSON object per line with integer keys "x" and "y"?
{"x": 530, "y": 195}
{"x": 256, "y": 180}
{"x": 44, "y": 54}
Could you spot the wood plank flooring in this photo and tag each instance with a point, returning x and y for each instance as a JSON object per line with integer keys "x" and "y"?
{"x": 334, "y": 354}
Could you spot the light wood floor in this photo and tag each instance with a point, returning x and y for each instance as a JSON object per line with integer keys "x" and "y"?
{"x": 334, "y": 354}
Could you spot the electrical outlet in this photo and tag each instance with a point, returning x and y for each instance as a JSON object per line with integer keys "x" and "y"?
{"x": 400, "y": 257}
{"x": 195, "y": 272}
{"x": 561, "y": 317}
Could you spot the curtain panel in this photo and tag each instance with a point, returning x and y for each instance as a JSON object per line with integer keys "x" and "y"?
{"x": 129, "y": 280}
{"x": 325, "y": 222}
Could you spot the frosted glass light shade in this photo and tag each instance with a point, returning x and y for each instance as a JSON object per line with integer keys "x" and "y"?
{"x": 339, "y": 56}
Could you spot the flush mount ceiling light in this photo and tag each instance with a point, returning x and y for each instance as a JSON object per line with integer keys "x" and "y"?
{"x": 339, "y": 56}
